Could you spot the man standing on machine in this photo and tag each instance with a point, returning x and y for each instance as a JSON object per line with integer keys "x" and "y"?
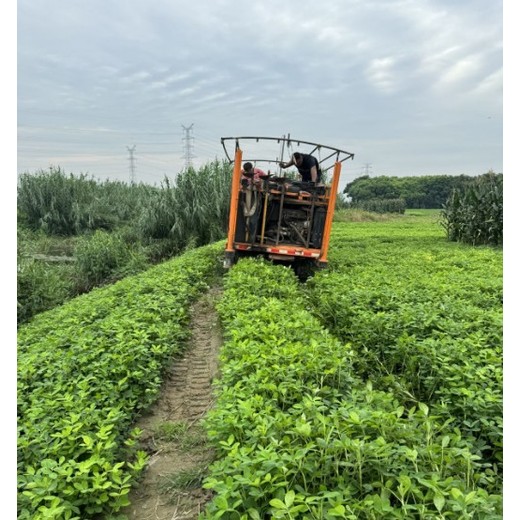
{"x": 308, "y": 166}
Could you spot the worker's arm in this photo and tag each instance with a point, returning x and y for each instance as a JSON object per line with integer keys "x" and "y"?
{"x": 259, "y": 175}
{"x": 314, "y": 174}
{"x": 287, "y": 164}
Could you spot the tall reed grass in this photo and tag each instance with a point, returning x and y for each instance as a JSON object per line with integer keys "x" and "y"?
{"x": 111, "y": 228}
{"x": 192, "y": 210}
{"x": 66, "y": 205}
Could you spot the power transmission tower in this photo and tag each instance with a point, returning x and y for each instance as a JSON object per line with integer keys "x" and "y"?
{"x": 367, "y": 168}
{"x": 132, "y": 163}
{"x": 188, "y": 146}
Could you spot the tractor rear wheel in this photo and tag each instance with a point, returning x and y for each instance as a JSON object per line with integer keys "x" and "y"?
{"x": 304, "y": 269}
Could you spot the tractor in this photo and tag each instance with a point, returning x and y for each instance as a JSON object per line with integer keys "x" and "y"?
{"x": 280, "y": 216}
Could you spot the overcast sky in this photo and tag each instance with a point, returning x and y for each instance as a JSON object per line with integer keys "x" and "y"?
{"x": 411, "y": 87}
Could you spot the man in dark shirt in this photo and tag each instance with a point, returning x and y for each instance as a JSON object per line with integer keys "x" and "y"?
{"x": 308, "y": 166}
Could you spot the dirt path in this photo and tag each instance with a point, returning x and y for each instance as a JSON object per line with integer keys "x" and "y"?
{"x": 172, "y": 434}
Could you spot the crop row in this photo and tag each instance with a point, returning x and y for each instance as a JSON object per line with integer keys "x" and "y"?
{"x": 85, "y": 370}
{"x": 426, "y": 322}
{"x": 300, "y": 435}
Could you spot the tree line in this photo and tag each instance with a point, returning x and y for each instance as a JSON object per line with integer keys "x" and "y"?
{"x": 471, "y": 207}
{"x": 421, "y": 192}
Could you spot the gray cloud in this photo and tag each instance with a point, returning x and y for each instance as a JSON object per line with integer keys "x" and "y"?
{"x": 409, "y": 86}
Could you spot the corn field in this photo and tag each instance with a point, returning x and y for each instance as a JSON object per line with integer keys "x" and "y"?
{"x": 475, "y": 215}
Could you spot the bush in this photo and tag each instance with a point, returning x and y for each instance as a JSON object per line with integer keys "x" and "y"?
{"x": 105, "y": 257}
{"x": 60, "y": 204}
{"x": 193, "y": 211}
{"x": 69, "y": 215}
{"x": 41, "y": 287}
{"x": 383, "y": 205}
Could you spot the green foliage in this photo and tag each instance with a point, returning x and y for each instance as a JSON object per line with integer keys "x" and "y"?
{"x": 41, "y": 287}
{"x": 104, "y": 257}
{"x": 183, "y": 480}
{"x": 342, "y": 202}
{"x": 474, "y": 215}
{"x": 300, "y": 435}
{"x": 85, "y": 371}
{"x": 171, "y": 431}
{"x": 61, "y": 204}
{"x": 374, "y": 391}
{"x": 157, "y": 218}
{"x": 185, "y": 435}
{"x": 383, "y": 205}
{"x": 204, "y": 195}
{"x": 193, "y": 211}
{"x": 146, "y": 225}
{"x": 41, "y": 284}
{"x": 425, "y": 319}
{"x": 429, "y": 191}
{"x": 30, "y": 243}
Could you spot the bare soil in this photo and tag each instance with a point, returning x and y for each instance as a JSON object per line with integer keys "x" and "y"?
{"x": 172, "y": 433}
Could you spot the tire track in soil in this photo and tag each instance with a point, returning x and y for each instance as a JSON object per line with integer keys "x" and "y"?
{"x": 185, "y": 397}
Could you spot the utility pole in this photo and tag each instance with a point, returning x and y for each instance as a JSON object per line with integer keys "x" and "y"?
{"x": 188, "y": 146}
{"x": 132, "y": 163}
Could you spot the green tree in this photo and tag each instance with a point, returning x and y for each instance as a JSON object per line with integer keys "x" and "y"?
{"x": 427, "y": 191}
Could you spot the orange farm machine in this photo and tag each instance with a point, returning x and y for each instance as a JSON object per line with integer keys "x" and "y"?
{"x": 281, "y": 217}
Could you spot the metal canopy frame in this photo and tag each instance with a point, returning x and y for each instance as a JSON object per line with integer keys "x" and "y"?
{"x": 336, "y": 153}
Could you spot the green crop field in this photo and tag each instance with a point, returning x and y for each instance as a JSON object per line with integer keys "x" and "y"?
{"x": 372, "y": 391}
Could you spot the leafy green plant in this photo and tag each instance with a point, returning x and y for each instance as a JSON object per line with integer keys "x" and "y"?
{"x": 67, "y": 204}
{"x": 41, "y": 286}
{"x": 119, "y": 229}
{"x": 191, "y": 211}
{"x": 85, "y": 371}
{"x": 103, "y": 257}
{"x": 299, "y": 435}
